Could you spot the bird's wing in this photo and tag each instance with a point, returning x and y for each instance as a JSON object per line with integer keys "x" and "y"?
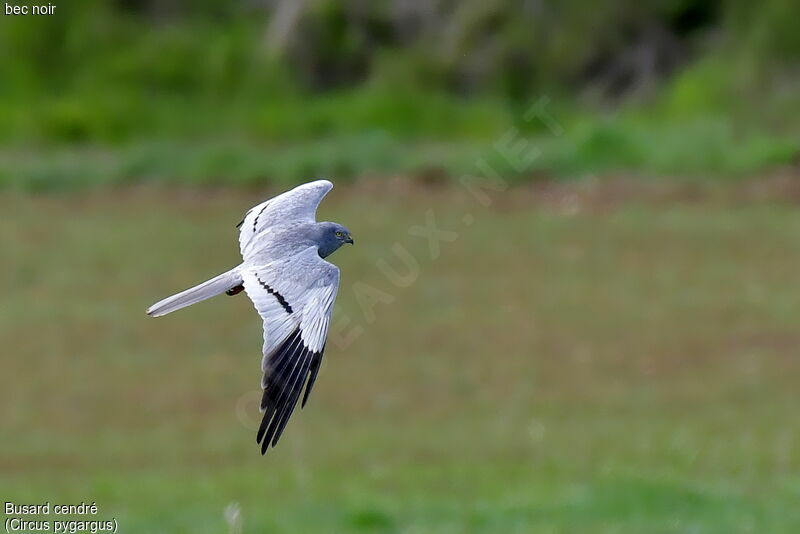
{"x": 294, "y": 297}
{"x": 297, "y": 205}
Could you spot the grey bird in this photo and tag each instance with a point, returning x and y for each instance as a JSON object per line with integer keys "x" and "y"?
{"x": 293, "y": 289}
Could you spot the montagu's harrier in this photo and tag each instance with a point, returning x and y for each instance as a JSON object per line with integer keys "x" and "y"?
{"x": 293, "y": 289}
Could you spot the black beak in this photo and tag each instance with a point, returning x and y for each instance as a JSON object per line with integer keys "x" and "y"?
{"x": 349, "y": 240}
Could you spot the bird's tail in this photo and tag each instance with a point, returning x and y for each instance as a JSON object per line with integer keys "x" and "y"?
{"x": 206, "y": 290}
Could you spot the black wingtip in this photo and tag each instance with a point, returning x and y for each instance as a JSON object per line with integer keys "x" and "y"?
{"x": 291, "y": 368}
{"x": 262, "y": 442}
{"x": 316, "y": 362}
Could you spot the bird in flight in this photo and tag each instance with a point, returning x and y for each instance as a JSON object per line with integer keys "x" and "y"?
{"x": 293, "y": 289}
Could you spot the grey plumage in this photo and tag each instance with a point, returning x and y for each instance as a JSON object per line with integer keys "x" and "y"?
{"x": 206, "y": 290}
{"x": 291, "y": 286}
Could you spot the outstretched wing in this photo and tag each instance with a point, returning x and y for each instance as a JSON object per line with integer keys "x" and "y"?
{"x": 294, "y": 297}
{"x": 297, "y": 205}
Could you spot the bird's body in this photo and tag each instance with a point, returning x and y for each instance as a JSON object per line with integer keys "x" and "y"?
{"x": 293, "y": 289}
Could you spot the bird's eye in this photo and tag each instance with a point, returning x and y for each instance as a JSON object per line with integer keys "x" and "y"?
{"x": 339, "y": 234}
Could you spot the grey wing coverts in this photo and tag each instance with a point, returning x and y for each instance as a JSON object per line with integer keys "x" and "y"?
{"x": 294, "y": 296}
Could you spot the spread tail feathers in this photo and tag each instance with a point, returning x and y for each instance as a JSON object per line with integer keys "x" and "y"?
{"x": 210, "y": 288}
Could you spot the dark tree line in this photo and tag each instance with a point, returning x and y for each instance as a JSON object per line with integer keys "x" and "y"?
{"x": 609, "y": 48}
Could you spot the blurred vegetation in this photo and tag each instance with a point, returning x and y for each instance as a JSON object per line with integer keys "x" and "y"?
{"x": 636, "y": 371}
{"x": 280, "y": 90}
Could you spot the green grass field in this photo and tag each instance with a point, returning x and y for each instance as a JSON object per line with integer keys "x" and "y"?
{"x": 564, "y": 365}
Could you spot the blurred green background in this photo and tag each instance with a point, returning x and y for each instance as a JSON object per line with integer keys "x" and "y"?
{"x": 606, "y": 342}
{"x": 251, "y": 91}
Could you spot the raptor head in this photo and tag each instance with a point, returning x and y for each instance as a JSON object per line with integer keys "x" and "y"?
{"x": 331, "y": 236}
